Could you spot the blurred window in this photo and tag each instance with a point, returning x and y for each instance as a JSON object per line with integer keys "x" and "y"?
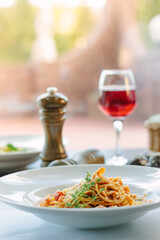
{"x": 71, "y": 24}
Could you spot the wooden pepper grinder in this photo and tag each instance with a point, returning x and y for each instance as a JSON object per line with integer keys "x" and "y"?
{"x": 52, "y": 114}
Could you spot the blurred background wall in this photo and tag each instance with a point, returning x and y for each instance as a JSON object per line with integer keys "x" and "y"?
{"x": 66, "y": 44}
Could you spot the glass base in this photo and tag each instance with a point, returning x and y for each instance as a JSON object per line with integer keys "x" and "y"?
{"x": 117, "y": 161}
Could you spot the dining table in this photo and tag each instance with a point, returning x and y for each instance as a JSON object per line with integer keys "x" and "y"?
{"x": 16, "y": 224}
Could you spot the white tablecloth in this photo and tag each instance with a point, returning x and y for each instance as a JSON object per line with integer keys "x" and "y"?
{"x": 19, "y": 225}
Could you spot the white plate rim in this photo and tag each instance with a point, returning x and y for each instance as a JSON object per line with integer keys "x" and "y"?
{"x": 79, "y": 166}
{"x": 90, "y": 212}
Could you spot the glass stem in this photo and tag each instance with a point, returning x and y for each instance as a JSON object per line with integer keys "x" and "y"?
{"x": 118, "y": 125}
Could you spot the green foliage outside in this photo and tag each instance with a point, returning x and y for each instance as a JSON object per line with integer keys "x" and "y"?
{"x": 17, "y": 27}
{"x": 84, "y": 21}
{"x": 146, "y": 10}
{"x": 17, "y": 30}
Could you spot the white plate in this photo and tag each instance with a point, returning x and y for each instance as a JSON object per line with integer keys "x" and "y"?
{"x": 15, "y": 161}
{"x": 23, "y": 188}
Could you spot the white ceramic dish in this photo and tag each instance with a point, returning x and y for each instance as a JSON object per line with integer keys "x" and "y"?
{"x": 24, "y": 188}
{"x": 15, "y": 161}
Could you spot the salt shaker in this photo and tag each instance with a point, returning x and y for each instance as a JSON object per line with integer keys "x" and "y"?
{"x": 52, "y": 114}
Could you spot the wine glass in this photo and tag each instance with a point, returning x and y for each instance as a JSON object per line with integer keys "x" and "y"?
{"x": 117, "y": 99}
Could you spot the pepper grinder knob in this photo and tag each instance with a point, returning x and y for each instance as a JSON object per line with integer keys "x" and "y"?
{"x": 51, "y": 90}
{"x": 52, "y": 114}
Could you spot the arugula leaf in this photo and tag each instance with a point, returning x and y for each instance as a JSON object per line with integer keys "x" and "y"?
{"x": 11, "y": 147}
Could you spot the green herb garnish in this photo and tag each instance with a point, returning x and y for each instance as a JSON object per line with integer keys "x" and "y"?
{"x": 75, "y": 203}
{"x": 11, "y": 147}
{"x": 88, "y": 177}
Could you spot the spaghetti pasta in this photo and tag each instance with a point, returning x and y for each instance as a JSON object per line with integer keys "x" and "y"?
{"x": 92, "y": 192}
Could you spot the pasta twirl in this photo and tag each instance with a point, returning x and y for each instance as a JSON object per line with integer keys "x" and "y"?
{"x": 92, "y": 192}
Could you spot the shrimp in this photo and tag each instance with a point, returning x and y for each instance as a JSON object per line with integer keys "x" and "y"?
{"x": 99, "y": 172}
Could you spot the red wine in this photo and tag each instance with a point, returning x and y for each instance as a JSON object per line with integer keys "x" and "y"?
{"x": 117, "y": 101}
